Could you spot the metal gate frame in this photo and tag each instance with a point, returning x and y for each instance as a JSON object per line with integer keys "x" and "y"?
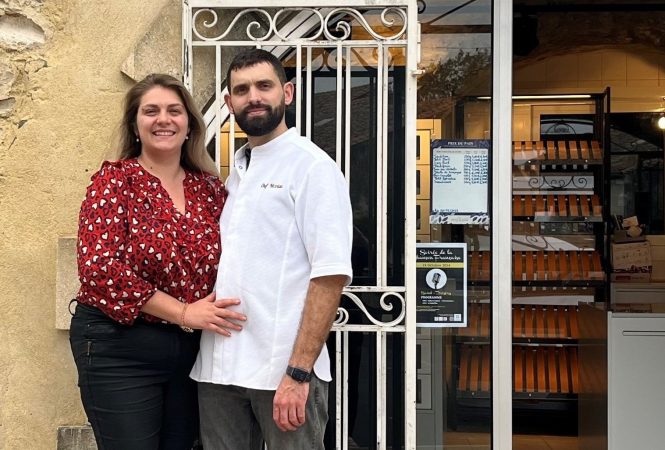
{"x": 308, "y": 16}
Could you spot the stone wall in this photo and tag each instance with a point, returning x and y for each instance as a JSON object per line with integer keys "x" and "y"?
{"x": 61, "y": 88}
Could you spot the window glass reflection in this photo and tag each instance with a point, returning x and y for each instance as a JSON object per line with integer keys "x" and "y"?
{"x": 454, "y": 365}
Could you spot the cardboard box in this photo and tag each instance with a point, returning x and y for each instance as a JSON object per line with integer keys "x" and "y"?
{"x": 631, "y": 261}
{"x": 657, "y": 257}
{"x": 631, "y": 256}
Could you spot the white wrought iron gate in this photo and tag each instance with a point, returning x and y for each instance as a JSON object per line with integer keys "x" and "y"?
{"x": 325, "y": 44}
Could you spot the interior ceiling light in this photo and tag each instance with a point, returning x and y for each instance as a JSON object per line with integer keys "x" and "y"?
{"x": 661, "y": 119}
{"x": 661, "y": 122}
{"x": 544, "y": 97}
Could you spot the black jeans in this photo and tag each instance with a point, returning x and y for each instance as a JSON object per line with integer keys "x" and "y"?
{"x": 135, "y": 383}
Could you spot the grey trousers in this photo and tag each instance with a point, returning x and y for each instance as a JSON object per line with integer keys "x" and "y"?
{"x": 237, "y": 418}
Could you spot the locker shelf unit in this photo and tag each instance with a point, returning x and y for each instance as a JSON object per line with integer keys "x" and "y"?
{"x": 558, "y": 262}
{"x": 560, "y": 207}
{"x": 539, "y": 371}
{"x": 560, "y": 210}
{"x": 559, "y": 249}
{"x": 556, "y": 268}
{"x": 545, "y": 367}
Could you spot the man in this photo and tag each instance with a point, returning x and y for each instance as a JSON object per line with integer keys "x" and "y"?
{"x": 286, "y": 254}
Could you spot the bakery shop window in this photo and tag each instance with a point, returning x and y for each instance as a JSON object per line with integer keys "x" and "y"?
{"x": 637, "y": 169}
{"x": 636, "y": 161}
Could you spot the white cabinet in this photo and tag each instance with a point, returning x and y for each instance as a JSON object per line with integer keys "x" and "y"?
{"x": 638, "y": 293}
{"x": 636, "y": 389}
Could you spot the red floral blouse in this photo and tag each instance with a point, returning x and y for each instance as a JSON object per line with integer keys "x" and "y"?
{"x": 132, "y": 240}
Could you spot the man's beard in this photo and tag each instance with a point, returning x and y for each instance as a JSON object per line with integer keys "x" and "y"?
{"x": 262, "y": 125}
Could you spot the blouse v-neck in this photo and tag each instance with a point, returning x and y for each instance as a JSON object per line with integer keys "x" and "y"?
{"x": 167, "y": 197}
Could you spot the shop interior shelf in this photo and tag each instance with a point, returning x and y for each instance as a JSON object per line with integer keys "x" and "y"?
{"x": 545, "y": 369}
{"x": 474, "y": 370}
{"x": 544, "y": 268}
{"x": 539, "y": 372}
{"x": 557, "y": 208}
{"x": 555, "y": 323}
{"x": 560, "y": 152}
{"x": 557, "y": 266}
{"x": 545, "y": 322}
{"x": 479, "y": 266}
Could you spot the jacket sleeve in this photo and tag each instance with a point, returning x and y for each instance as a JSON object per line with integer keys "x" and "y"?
{"x": 106, "y": 277}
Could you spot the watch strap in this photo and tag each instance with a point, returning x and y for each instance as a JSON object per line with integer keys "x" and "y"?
{"x": 298, "y": 374}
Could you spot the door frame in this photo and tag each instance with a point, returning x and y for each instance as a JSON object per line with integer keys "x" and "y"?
{"x": 217, "y": 113}
{"x": 501, "y": 191}
{"x": 501, "y": 222}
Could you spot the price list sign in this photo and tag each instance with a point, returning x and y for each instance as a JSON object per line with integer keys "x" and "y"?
{"x": 441, "y": 285}
{"x": 459, "y": 178}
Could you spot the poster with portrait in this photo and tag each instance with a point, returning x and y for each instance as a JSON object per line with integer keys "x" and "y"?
{"x": 441, "y": 297}
{"x": 459, "y": 182}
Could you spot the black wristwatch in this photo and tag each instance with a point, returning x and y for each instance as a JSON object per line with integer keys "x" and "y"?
{"x": 298, "y": 374}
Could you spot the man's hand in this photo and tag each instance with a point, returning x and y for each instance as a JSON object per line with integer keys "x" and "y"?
{"x": 288, "y": 406}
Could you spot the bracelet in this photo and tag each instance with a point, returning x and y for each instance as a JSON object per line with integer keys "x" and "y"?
{"x": 184, "y": 327}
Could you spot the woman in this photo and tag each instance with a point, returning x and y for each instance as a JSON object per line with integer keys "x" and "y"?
{"x": 148, "y": 249}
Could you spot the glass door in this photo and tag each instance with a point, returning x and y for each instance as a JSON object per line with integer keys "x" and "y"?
{"x": 454, "y": 129}
{"x": 559, "y": 248}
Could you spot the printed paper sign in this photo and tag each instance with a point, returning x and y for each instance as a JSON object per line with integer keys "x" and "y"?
{"x": 459, "y": 181}
{"x": 441, "y": 285}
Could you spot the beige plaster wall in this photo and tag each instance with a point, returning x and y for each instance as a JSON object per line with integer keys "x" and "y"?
{"x": 66, "y": 86}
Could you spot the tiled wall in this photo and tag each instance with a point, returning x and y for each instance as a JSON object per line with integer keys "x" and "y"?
{"x": 637, "y": 78}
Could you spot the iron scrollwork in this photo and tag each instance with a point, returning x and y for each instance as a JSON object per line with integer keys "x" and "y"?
{"x": 561, "y": 182}
{"x": 337, "y": 19}
{"x": 343, "y": 314}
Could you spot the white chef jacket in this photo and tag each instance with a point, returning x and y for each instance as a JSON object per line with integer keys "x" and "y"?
{"x": 287, "y": 220}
